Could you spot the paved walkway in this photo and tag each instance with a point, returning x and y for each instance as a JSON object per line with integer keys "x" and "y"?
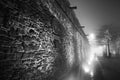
{"x": 107, "y": 69}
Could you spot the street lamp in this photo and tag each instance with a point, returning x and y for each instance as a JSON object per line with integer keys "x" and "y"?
{"x": 108, "y": 38}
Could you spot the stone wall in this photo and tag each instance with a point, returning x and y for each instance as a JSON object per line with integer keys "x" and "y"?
{"x": 39, "y": 40}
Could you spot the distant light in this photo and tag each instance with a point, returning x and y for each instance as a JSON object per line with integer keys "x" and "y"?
{"x": 86, "y": 68}
{"x": 114, "y": 52}
{"x": 92, "y": 74}
{"x": 91, "y": 59}
{"x": 91, "y": 37}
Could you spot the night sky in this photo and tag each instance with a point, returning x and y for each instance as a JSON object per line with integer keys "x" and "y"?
{"x": 95, "y": 13}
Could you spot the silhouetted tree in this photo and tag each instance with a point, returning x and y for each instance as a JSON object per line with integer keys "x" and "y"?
{"x": 114, "y": 35}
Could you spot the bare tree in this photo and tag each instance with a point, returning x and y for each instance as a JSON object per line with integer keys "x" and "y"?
{"x": 109, "y": 36}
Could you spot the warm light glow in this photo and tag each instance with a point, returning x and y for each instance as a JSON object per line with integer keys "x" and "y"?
{"x": 92, "y": 74}
{"x": 113, "y": 52}
{"x": 86, "y": 68}
{"x": 95, "y": 51}
{"x": 91, "y": 37}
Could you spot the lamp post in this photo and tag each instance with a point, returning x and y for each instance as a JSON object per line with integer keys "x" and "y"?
{"x": 108, "y": 38}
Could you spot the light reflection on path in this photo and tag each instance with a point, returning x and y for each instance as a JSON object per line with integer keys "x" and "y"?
{"x": 95, "y": 51}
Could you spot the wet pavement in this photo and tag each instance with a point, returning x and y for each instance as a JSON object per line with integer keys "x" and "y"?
{"x": 107, "y": 69}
